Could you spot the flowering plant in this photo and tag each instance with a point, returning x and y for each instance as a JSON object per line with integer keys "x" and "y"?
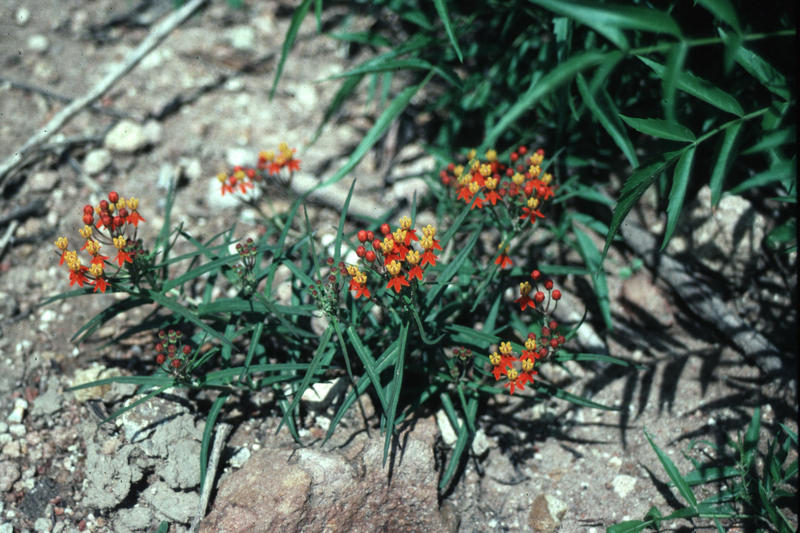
{"x": 398, "y": 304}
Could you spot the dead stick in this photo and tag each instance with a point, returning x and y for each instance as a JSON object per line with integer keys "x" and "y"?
{"x": 211, "y": 472}
{"x": 61, "y": 98}
{"x": 157, "y": 35}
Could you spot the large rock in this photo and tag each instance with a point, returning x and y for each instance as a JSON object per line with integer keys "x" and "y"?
{"x": 726, "y": 240}
{"x": 282, "y": 488}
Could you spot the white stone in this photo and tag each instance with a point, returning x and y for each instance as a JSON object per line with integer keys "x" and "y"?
{"x": 96, "y": 161}
{"x": 446, "y": 428}
{"x": 615, "y": 462}
{"x": 242, "y": 37}
{"x": 20, "y": 405}
{"x": 556, "y": 507}
{"x": 22, "y": 16}
{"x": 480, "y": 443}
{"x": 623, "y": 485}
{"x": 240, "y": 457}
{"x": 18, "y": 430}
{"x": 3, "y": 428}
{"x": 38, "y": 43}
{"x": 153, "y": 132}
{"x": 126, "y": 137}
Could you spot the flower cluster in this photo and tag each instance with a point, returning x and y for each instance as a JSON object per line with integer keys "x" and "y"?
{"x": 113, "y": 222}
{"x": 517, "y": 370}
{"x": 269, "y": 163}
{"x": 520, "y": 186}
{"x": 525, "y": 289}
{"x": 401, "y": 257}
{"x": 171, "y": 353}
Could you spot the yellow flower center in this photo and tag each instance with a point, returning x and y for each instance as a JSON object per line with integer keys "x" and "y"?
{"x": 505, "y": 348}
{"x": 412, "y": 257}
{"x": 62, "y": 243}
{"x": 524, "y": 288}
{"x": 393, "y": 268}
{"x": 405, "y": 223}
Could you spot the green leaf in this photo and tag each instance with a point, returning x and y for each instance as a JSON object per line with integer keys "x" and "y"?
{"x": 397, "y": 65}
{"x": 663, "y": 129}
{"x": 632, "y": 190}
{"x": 288, "y": 41}
{"x": 543, "y": 86}
{"x": 629, "y": 526}
{"x": 187, "y": 315}
{"x": 376, "y": 132}
{"x": 561, "y": 394}
{"x": 608, "y": 119}
{"x": 316, "y": 363}
{"x": 782, "y": 235}
{"x": 723, "y": 162}
{"x": 781, "y": 171}
{"x": 610, "y": 19}
{"x": 566, "y": 356}
{"x": 674, "y": 474}
{"x": 773, "y": 140}
{"x": 750, "y": 443}
{"x": 699, "y": 88}
{"x": 205, "y": 446}
{"x": 724, "y": 11}
{"x": 765, "y": 73}
{"x": 708, "y": 474}
{"x": 680, "y": 181}
{"x": 675, "y": 60}
{"x": 337, "y": 244}
{"x": 396, "y": 388}
{"x": 441, "y": 8}
{"x": 594, "y": 261}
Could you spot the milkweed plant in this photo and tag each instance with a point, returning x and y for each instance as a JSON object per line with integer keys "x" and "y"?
{"x": 414, "y": 315}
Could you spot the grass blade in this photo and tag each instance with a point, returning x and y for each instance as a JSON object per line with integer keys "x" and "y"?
{"x": 674, "y": 474}
{"x": 724, "y": 11}
{"x": 594, "y": 261}
{"x": 288, "y": 41}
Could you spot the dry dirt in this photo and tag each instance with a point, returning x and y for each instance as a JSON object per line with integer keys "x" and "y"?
{"x": 595, "y": 467}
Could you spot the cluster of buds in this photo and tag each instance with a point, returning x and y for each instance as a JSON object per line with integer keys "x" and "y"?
{"x": 270, "y": 163}
{"x": 326, "y": 294}
{"x": 116, "y": 224}
{"x": 395, "y": 257}
{"x": 463, "y": 358}
{"x": 517, "y": 370}
{"x": 551, "y": 296}
{"x": 246, "y": 280}
{"x": 171, "y": 353}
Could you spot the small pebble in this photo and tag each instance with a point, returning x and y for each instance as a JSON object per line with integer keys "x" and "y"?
{"x": 20, "y": 405}
{"x": 18, "y": 430}
{"x": 22, "y": 16}
{"x": 38, "y": 43}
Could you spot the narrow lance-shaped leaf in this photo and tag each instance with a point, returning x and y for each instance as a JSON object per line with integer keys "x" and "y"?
{"x": 724, "y": 159}
{"x": 545, "y": 85}
{"x": 663, "y": 129}
{"x": 669, "y": 79}
{"x": 723, "y": 10}
{"x": 609, "y": 122}
{"x": 633, "y": 189}
{"x": 765, "y": 73}
{"x": 375, "y": 133}
{"x": 441, "y": 8}
{"x": 680, "y": 180}
{"x": 699, "y": 88}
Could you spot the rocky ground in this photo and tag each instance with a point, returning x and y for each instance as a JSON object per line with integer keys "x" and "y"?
{"x": 198, "y": 104}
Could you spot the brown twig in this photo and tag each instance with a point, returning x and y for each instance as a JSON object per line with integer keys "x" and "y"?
{"x": 211, "y": 472}
{"x": 36, "y": 207}
{"x": 158, "y": 34}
